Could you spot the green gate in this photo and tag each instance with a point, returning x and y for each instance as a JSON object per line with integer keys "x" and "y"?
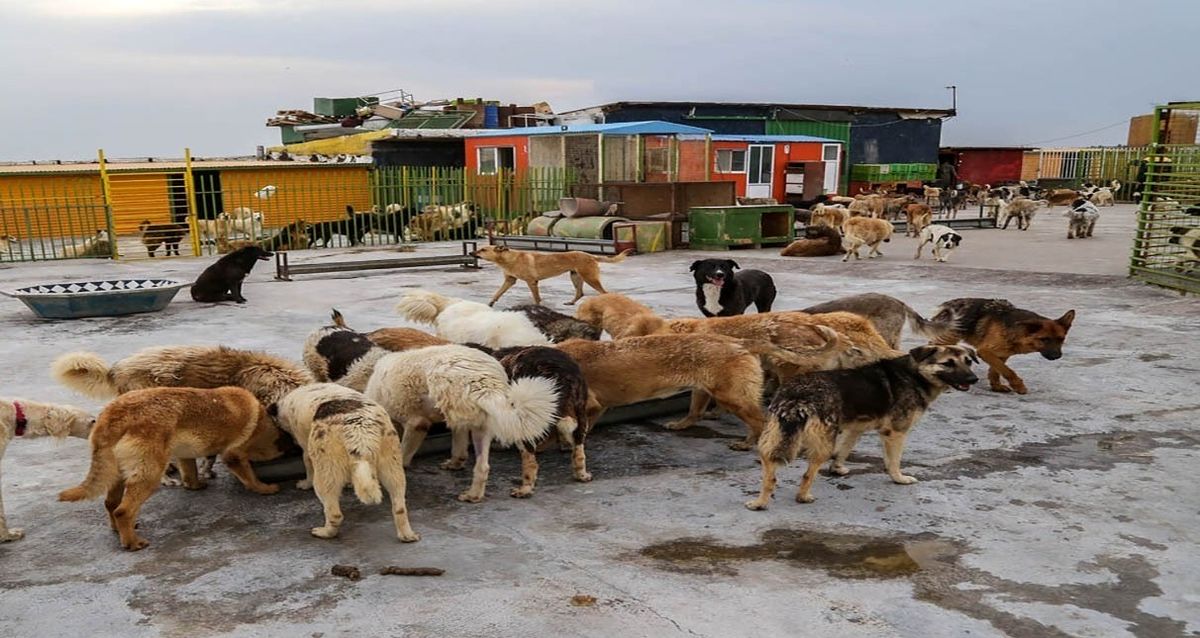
{"x": 1166, "y": 247}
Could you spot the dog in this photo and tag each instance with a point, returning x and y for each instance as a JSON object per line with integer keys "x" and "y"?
{"x": 212, "y": 231}
{"x": 266, "y": 377}
{"x": 720, "y": 292}
{"x": 394, "y": 339}
{"x": 888, "y": 315}
{"x": 244, "y": 220}
{"x": 1059, "y": 197}
{"x": 1188, "y": 239}
{"x": 437, "y": 222}
{"x": 555, "y": 325}
{"x": 7, "y": 242}
{"x": 572, "y": 422}
{"x": 137, "y": 434}
{"x": 999, "y": 330}
{"x": 346, "y": 438}
{"x": 829, "y": 215}
{"x": 933, "y": 194}
{"x": 618, "y": 315}
{"x": 532, "y": 267}
{"x": 222, "y": 281}
{"x": 818, "y": 241}
{"x": 1022, "y": 209}
{"x": 29, "y": 419}
{"x": 341, "y": 355}
{"x": 824, "y": 413}
{"x": 865, "y": 231}
{"x": 394, "y": 220}
{"x": 464, "y": 321}
{"x": 468, "y": 390}
{"x": 354, "y": 226}
{"x": 943, "y": 238}
{"x": 637, "y": 369}
{"x": 98, "y": 245}
{"x": 917, "y": 216}
{"x": 166, "y": 235}
{"x": 294, "y": 236}
{"x": 1105, "y": 195}
{"x": 1081, "y": 219}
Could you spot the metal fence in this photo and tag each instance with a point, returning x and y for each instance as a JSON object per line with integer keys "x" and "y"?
{"x": 1071, "y": 167}
{"x": 1166, "y": 247}
{"x": 147, "y": 210}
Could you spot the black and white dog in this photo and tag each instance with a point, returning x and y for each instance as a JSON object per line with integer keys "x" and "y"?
{"x": 943, "y": 238}
{"x": 722, "y": 293}
{"x": 1081, "y": 219}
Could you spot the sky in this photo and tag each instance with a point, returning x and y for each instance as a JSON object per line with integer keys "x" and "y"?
{"x": 150, "y": 77}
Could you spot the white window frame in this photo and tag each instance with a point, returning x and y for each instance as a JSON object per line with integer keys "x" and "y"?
{"x": 494, "y": 152}
{"x": 717, "y": 168}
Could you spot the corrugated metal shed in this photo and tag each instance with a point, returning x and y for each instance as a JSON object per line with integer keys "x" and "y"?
{"x": 839, "y": 131}
{"x": 618, "y": 128}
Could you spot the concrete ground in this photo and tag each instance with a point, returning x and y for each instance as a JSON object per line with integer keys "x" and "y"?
{"x": 1068, "y": 511}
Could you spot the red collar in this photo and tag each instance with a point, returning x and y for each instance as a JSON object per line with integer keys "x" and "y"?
{"x": 20, "y": 419}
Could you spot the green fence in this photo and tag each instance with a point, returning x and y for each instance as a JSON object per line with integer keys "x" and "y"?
{"x": 1072, "y": 167}
{"x": 1166, "y": 247}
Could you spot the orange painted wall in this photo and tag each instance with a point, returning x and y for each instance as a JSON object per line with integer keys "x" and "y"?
{"x": 796, "y": 152}
{"x": 693, "y": 161}
{"x": 519, "y": 143}
{"x": 51, "y": 206}
{"x": 312, "y": 194}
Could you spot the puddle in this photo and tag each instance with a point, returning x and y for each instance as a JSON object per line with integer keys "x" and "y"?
{"x": 1154, "y": 356}
{"x": 853, "y": 556}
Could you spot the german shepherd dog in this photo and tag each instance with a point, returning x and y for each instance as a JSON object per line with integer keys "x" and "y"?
{"x": 556, "y": 326}
{"x": 825, "y": 412}
{"x": 1000, "y": 330}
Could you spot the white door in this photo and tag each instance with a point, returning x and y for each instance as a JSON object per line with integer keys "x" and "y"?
{"x": 831, "y": 154}
{"x": 760, "y": 163}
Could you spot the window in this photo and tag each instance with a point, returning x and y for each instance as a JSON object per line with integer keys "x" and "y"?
{"x": 730, "y": 161}
{"x": 831, "y": 153}
{"x": 493, "y": 158}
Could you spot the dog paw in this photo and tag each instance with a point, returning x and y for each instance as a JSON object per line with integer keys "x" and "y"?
{"x": 805, "y": 498}
{"x": 325, "y": 532}
{"x": 757, "y": 505}
{"x": 136, "y": 544}
{"x": 304, "y": 485}
{"x": 266, "y": 489}
{"x": 1003, "y": 389}
{"x": 1020, "y": 388}
{"x": 453, "y": 464}
{"x": 410, "y": 537}
{"x": 583, "y": 477}
{"x": 468, "y": 497}
{"x": 839, "y": 469}
{"x": 168, "y": 481}
{"x": 197, "y": 486}
{"x": 904, "y": 479}
{"x": 678, "y": 425}
{"x": 521, "y": 492}
{"x": 741, "y": 446}
{"x": 13, "y": 534}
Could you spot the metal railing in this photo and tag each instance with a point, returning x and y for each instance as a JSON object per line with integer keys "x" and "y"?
{"x": 1072, "y": 167}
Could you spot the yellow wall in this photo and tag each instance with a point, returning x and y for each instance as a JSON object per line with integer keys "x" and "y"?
{"x": 312, "y": 194}
{"x": 50, "y": 205}
{"x": 138, "y": 197}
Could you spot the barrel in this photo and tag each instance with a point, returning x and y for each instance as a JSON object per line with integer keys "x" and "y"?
{"x": 491, "y": 116}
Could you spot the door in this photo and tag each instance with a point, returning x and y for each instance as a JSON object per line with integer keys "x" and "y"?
{"x": 815, "y": 174}
{"x": 832, "y": 155}
{"x": 759, "y": 166}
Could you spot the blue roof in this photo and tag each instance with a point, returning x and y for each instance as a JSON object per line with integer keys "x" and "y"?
{"x": 617, "y": 128}
{"x": 768, "y": 139}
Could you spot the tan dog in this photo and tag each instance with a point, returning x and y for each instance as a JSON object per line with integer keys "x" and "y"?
{"x": 619, "y": 316}
{"x": 532, "y": 267}
{"x": 641, "y": 368}
{"x": 138, "y": 433}
{"x": 29, "y": 419}
{"x": 918, "y": 217}
{"x": 865, "y": 231}
{"x": 7, "y": 241}
{"x": 831, "y": 216}
{"x": 1060, "y": 197}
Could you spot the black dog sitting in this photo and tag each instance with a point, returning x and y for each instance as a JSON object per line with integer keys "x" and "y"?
{"x": 722, "y": 293}
{"x": 222, "y": 281}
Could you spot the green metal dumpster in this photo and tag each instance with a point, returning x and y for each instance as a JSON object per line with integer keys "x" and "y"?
{"x": 725, "y": 227}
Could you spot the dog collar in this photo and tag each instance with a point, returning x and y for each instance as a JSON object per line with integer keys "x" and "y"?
{"x": 19, "y": 417}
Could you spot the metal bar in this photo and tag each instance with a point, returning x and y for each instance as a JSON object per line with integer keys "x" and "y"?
{"x": 189, "y": 188}
{"x": 106, "y": 189}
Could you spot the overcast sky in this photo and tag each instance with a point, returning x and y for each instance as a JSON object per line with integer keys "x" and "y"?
{"x": 149, "y": 77}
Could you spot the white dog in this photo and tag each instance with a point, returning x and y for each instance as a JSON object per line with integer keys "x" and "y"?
{"x": 1022, "y": 209}
{"x": 20, "y": 418}
{"x": 6, "y": 243}
{"x": 95, "y": 246}
{"x": 1081, "y": 219}
{"x": 346, "y": 438}
{"x": 943, "y": 238}
{"x": 1105, "y": 195}
{"x": 469, "y": 390}
{"x": 464, "y": 321}
{"x": 244, "y": 220}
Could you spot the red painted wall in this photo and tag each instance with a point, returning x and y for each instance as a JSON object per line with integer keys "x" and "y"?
{"x": 797, "y": 152}
{"x": 517, "y": 142}
{"x": 990, "y": 166}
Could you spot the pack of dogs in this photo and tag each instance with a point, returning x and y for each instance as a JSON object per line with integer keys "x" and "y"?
{"x": 357, "y": 405}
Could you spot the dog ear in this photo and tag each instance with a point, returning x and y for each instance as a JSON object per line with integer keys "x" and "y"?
{"x": 501, "y": 249}
{"x": 971, "y": 354}
{"x": 923, "y": 353}
{"x": 273, "y": 410}
{"x": 695, "y": 264}
{"x": 1067, "y": 318}
{"x": 732, "y": 264}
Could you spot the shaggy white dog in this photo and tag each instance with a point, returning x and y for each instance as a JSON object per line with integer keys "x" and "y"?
{"x": 464, "y": 321}
{"x": 20, "y": 418}
{"x": 469, "y": 390}
{"x": 346, "y": 438}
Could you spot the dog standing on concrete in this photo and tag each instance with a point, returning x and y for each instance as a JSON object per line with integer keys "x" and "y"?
{"x": 532, "y": 267}
{"x": 943, "y": 238}
{"x": 720, "y": 292}
{"x": 166, "y": 235}
{"x": 29, "y": 419}
{"x": 888, "y": 314}
{"x": 1081, "y": 219}
{"x": 866, "y": 231}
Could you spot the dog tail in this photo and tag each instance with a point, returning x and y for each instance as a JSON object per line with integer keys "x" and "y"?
{"x": 829, "y": 340}
{"x": 615, "y": 259}
{"x": 104, "y": 471}
{"x": 85, "y": 373}
{"x": 422, "y": 306}
{"x": 525, "y": 413}
{"x": 936, "y": 331}
{"x": 338, "y": 319}
{"x": 366, "y": 485}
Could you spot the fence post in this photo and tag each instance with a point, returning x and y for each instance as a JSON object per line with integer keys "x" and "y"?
{"x": 106, "y": 191}
{"x": 189, "y": 187}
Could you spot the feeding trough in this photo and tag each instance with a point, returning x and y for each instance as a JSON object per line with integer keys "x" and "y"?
{"x": 107, "y": 298}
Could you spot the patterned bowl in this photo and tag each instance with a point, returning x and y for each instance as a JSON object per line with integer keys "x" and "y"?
{"x": 109, "y": 298}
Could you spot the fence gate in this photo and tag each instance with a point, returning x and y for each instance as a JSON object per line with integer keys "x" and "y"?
{"x": 1166, "y": 248}
{"x": 151, "y": 211}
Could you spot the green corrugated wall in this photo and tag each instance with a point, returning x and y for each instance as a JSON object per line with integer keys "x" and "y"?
{"x": 831, "y": 130}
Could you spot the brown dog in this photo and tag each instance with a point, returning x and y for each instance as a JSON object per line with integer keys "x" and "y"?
{"x": 619, "y": 316}
{"x": 818, "y": 241}
{"x": 167, "y": 235}
{"x": 865, "y": 231}
{"x": 918, "y": 217}
{"x": 394, "y": 339}
{"x": 641, "y": 368}
{"x": 138, "y": 433}
{"x": 1060, "y": 197}
{"x": 532, "y": 267}
{"x": 1000, "y": 330}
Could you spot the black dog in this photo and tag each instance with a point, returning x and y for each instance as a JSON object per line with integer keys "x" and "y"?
{"x": 222, "y": 281}
{"x": 353, "y": 227}
{"x": 393, "y": 220}
{"x": 721, "y": 293}
{"x": 556, "y": 326}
